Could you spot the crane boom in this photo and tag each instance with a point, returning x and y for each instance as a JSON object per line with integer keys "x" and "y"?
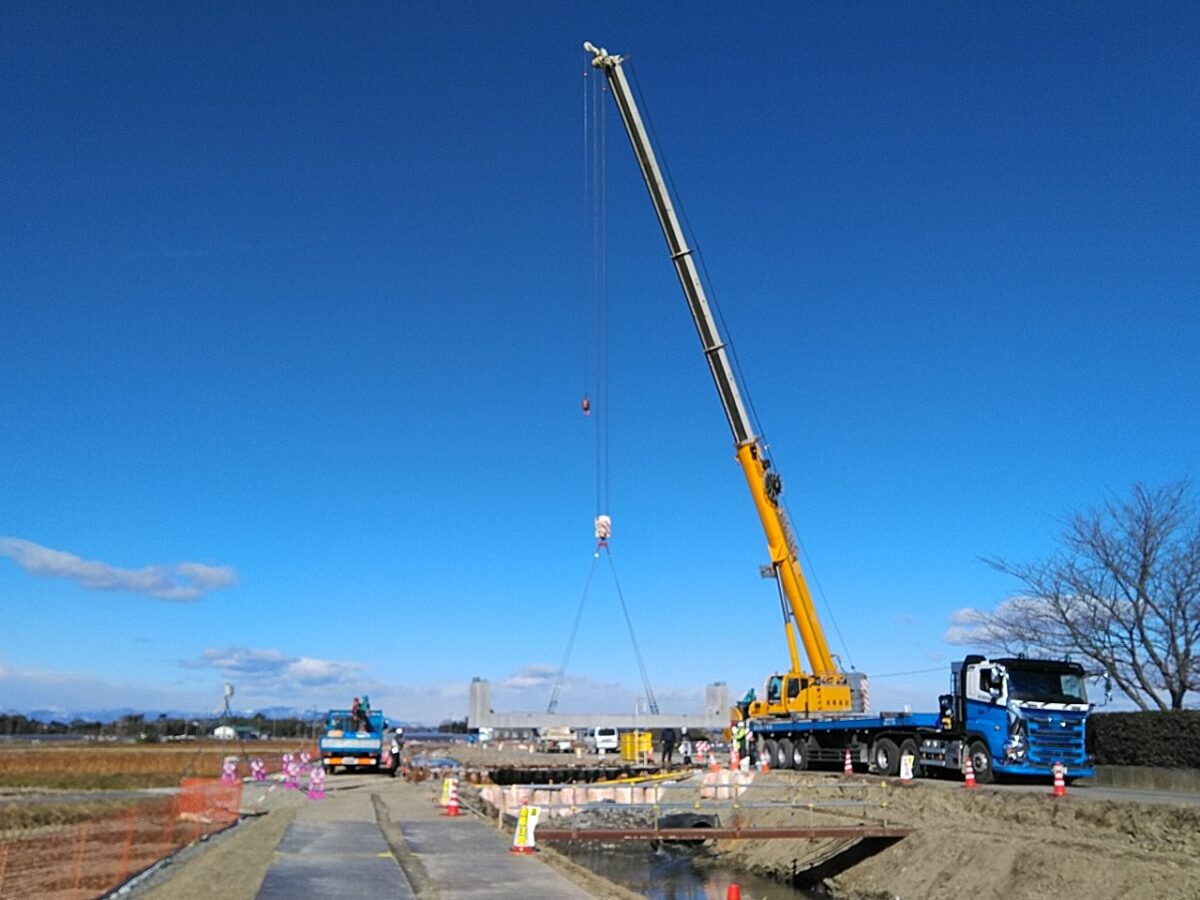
{"x": 827, "y": 689}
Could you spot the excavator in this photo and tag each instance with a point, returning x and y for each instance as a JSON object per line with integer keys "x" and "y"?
{"x": 825, "y": 690}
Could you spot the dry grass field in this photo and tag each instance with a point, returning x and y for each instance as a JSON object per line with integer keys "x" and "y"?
{"x": 89, "y": 767}
{"x": 41, "y": 785}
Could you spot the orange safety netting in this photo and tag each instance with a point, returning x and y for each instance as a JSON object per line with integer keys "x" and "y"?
{"x": 97, "y": 855}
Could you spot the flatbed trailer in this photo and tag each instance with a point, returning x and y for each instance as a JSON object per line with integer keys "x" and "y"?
{"x": 1009, "y": 717}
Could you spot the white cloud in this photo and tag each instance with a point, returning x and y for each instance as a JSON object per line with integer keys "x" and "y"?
{"x": 530, "y": 688}
{"x": 182, "y": 582}
{"x": 532, "y": 676}
{"x": 968, "y": 627}
{"x": 273, "y": 672}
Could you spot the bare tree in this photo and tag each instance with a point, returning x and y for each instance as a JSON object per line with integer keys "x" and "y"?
{"x": 1123, "y": 590}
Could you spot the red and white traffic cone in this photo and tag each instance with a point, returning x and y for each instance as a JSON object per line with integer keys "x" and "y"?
{"x": 847, "y": 765}
{"x": 452, "y": 801}
{"x": 734, "y": 761}
{"x": 1060, "y": 782}
{"x": 969, "y": 774}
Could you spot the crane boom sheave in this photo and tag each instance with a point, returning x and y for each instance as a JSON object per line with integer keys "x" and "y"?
{"x": 827, "y": 689}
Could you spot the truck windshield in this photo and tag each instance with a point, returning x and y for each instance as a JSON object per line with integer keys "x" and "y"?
{"x": 1045, "y": 686}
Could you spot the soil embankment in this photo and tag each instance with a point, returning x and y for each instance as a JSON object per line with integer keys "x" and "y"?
{"x": 1003, "y": 844}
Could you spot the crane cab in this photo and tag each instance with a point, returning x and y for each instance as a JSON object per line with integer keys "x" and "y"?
{"x": 801, "y": 694}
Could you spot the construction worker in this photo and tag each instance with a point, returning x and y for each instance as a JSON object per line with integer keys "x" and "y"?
{"x": 685, "y": 748}
{"x": 740, "y": 735}
{"x": 668, "y": 745}
{"x": 364, "y": 713}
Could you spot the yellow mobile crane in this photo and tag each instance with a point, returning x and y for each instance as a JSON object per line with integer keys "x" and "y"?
{"x": 795, "y": 692}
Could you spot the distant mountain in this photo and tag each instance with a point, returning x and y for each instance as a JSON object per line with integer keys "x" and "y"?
{"x": 108, "y": 716}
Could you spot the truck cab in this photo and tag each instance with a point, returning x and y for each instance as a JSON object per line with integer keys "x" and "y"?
{"x": 1020, "y": 716}
{"x": 556, "y": 739}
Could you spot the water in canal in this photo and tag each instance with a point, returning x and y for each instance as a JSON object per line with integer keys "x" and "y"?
{"x": 672, "y": 874}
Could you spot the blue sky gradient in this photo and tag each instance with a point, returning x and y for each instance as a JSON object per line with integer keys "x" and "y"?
{"x": 298, "y": 296}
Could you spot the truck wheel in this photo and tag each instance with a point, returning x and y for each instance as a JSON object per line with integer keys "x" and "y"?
{"x": 885, "y": 757}
{"x": 780, "y": 760}
{"x": 792, "y": 755}
{"x": 909, "y": 746}
{"x": 785, "y": 754}
{"x": 770, "y": 752}
{"x": 981, "y": 759}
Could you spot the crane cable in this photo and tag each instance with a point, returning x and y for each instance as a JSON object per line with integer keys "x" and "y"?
{"x": 562, "y": 669}
{"x": 597, "y": 201}
{"x": 637, "y": 652}
{"x": 595, "y": 184}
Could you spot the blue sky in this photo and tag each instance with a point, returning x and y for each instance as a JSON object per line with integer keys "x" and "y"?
{"x": 293, "y": 305}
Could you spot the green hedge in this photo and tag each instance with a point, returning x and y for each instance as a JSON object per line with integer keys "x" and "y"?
{"x": 1169, "y": 740}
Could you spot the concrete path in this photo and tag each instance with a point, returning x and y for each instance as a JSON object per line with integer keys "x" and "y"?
{"x": 466, "y": 856}
{"x": 384, "y": 838}
{"x": 335, "y": 848}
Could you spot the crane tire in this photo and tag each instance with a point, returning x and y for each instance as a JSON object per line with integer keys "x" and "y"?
{"x": 770, "y": 752}
{"x": 885, "y": 757}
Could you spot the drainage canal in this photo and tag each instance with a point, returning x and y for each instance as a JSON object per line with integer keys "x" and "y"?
{"x": 672, "y": 873}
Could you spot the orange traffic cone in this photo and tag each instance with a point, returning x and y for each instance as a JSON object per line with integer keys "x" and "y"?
{"x": 714, "y": 765}
{"x": 969, "y": 774}
{"x": 733, "y": 892}
{"x": 1060, "y": 782}
{"x": 847, "y": 765}
{"x": 452, "y": 800}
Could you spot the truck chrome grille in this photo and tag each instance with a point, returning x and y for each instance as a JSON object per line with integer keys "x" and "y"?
{"x": 1056, "y": 739}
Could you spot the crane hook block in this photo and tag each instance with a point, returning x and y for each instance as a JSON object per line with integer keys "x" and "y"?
{"x": 603, "y": 528}
{"x": 586, "y": 405}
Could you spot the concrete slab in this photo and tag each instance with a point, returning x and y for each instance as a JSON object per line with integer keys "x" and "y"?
{"x": 328, "y": 875}
{"x": 333, "y": 839}
{"x": 468, "y": 858}
{"x": 335, "y": 848}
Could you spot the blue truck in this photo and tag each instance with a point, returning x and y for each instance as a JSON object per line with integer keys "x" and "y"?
{"x": 1009, "y": 716}
{"x": 357, "y": 744}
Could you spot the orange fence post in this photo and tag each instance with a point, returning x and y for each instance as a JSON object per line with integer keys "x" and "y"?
{"x": 128, "y": 848}
{"x": 79, "y": 857}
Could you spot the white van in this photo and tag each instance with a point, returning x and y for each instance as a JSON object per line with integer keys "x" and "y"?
{"x": 602, "y": 740}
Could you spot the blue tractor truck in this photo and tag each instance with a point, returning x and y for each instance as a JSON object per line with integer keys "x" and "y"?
{"x": 1009, "y": 716}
